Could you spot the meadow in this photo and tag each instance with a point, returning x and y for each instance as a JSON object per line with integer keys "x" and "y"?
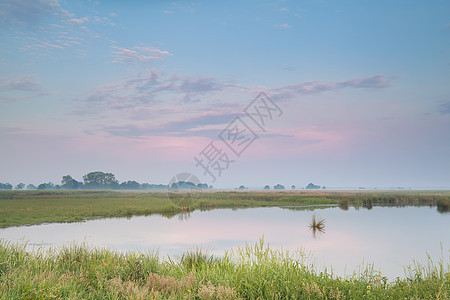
{"x": 251, "y": 272}
{"x": 37, "y": 207}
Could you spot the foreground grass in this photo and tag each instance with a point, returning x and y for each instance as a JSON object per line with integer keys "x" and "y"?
{"x": 252, "y": 272}
{"x": 37, "y": 207}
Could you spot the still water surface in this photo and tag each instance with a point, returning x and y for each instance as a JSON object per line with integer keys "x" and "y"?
{"x": 388, "y": 237}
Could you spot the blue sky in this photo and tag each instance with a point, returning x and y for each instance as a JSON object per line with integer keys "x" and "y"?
{"x": 140, "y": 88}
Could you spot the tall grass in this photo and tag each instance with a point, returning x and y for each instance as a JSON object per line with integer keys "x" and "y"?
{"x": 250, "y": 272}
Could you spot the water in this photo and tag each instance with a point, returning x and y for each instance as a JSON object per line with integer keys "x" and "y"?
{"x": 388, "y": 237}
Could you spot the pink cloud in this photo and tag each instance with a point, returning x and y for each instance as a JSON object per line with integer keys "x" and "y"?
{"x": 138, "y": 55}
{"x": 79, "y": 21}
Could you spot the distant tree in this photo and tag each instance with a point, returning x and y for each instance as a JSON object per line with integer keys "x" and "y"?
{"x": 5, "y": 186}
{"x": 324, "y": 188}
{"x": 20, "y": 186}
{"x": 211, "y": 187}
{"x": 46, "y": 186}
{"x": 312, "y": 186}
{"x": 31, "y": 187}
{"x": 183, "y": 185}
{"x": 145, "y": 186}
{"x": 148, "y": 186}
{"x": 100, "y": 180}
{"x": 267, "y": 187}
{"x": 203, "y": 186}
{"x": 68, "y": 183}
{"x": 130, "y": 185}
{"x": 242, "y": 187}
{"x": 293, "y": 187}
{"x": 279, "y": 187}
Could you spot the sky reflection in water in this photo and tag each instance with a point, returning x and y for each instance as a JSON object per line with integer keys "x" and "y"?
{"x": 389, "y": 237}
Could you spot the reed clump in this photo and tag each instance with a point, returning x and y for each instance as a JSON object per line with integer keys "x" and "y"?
{"x": 317, "y": 225}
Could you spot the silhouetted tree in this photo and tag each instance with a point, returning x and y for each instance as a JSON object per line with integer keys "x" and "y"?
{"x": 242, "y": 187}
{"x": 203, "y": 186}
{"x": 312, "y": 186}
{"x": 279, "y": 187}
{"x": 293, "y": 187}
{"x": 46, "y": 186}
{"x": 267, "y": 187}
{"x": 130, "y": 185}
{"x": 20, "y": 186}
{"x": 100, "y": 180}
{"x": 31, "y": 187}
{"x": 69, "y": 183}
{"x": 5, "y": 186}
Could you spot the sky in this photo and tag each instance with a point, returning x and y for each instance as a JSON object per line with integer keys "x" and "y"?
{"x": 337, "y": 93}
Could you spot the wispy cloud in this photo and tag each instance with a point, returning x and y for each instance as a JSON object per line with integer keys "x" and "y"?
{"x": 92, "y": 19}
{"x": 44, "y": 26}
{"x": 152, "y": 89}
{"x": 28, "y": 13}
{"x": 181, "y": 6}
{"x": 283, "y": 26}
{"x": 138, "y": 55}
{"x": 79, "y": 21}
{"x": 372, "y": 82}
{"x": 20, "y": 88}
{"x": 312, "y": 87}
{"x": 23, "y": 83}
{"x": 208, "y": 124}
{"x": 444, "y": 108}
{"x": 156, "y": 104}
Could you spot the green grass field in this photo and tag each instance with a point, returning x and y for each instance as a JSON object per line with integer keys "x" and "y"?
{"x": 37, "y": 207}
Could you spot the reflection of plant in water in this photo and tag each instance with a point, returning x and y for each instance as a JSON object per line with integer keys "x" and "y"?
{"x": 184, "y": 216}
{"x": 368, "y": 204}
{"x": 343, "y": 204}
{"x": 443, "y": 205}
{"x": 316, "y": 225}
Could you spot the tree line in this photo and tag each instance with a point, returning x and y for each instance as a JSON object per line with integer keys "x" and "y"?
{"x": 91, "y": 181}
{"x": 107, "y": 181}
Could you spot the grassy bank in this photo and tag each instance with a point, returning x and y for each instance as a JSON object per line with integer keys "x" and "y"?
{"x": 36, "y": 207}
{"x": 252, "y": 272}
